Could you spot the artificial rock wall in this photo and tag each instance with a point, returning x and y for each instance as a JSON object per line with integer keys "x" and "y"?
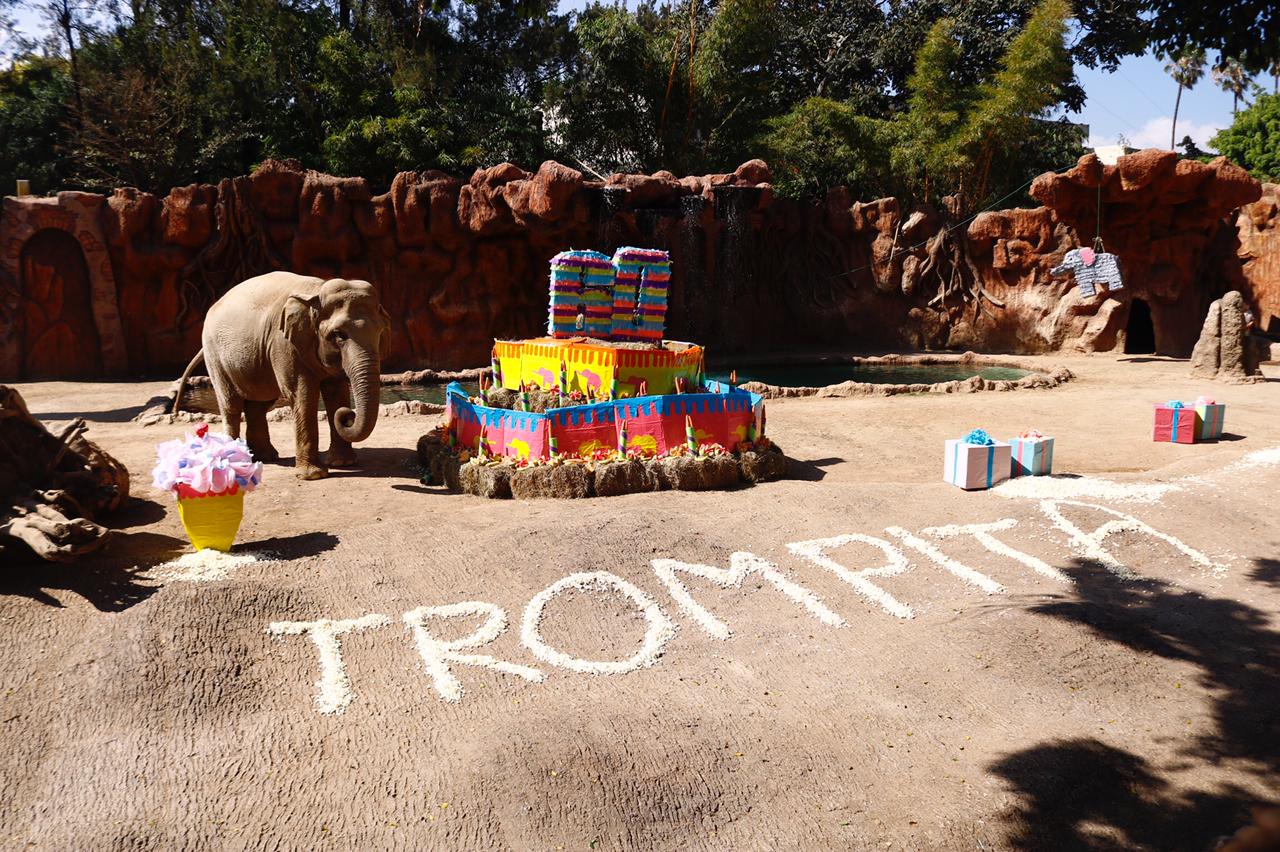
{"x": 94, "y": 286}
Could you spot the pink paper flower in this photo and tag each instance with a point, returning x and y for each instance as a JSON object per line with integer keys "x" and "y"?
{"x": 205, "y": 463}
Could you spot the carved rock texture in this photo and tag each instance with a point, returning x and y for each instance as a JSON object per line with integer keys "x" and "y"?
{"x": 1162, "y": 216}
{"x": 460, "y": 262}
{"x": 1223, "y": 350}
{"x": 1252, "y": 257}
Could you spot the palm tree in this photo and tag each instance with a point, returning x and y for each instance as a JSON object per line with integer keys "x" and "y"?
{"x": 1232, "y": 77}
{"x": 1186, "y": 67}
{"x": 1274, "y": 71}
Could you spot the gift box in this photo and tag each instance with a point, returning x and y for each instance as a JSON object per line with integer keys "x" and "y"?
{"x": 1174, "y": 423}
{"x": 1031, "y": 455}
{"x": 1209, "y": 417}
{"x": 976, "y": 461}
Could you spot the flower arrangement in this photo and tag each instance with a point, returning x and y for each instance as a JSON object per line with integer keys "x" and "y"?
{"x": 209, "y": 473}
{"x": 208, "y": 464}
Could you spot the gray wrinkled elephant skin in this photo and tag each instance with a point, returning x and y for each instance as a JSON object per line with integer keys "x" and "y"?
{"x": 304, "y": 339}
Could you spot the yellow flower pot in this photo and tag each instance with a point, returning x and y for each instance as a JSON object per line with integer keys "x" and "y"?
{"x": 212, "y": 522}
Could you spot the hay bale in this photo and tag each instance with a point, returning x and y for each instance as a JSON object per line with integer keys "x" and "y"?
{"x": 698, "y": 473}
{"x": 563, "y": 481}
{"x": 448, "y": 471}
{"x": 486, "y": 480}
{"x": 625, "y": 477}
{"x": 763, "y": 466}
{"x": 502, "y": 398}
{"x": 439, "y": 463}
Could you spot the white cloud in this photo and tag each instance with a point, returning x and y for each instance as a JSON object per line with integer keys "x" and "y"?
{"x": 1155, "y": 134}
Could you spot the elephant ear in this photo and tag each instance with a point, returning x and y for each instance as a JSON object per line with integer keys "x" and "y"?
{"x": 384, "y": 341}
{"x": 299, "y": 320}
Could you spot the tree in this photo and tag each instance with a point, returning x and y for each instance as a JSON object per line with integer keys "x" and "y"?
{"x": 973, "y": 141}
{"x": 1186, "y": 67}
{"x": 1248, "y": 30}
{"x": 33, "y": 117}
{"x": 823, "y": 143}
{"x": 1253, "y": 139}
{"x": 1192, "y": 151}
{"x": 1231, "y": 76}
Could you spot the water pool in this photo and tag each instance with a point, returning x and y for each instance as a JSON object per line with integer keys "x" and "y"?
{"x": 821, "y": 375}
{"x": 201, "y": 398}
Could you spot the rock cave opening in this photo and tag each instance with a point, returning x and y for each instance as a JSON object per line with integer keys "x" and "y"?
{"x": 1140, "y": 334}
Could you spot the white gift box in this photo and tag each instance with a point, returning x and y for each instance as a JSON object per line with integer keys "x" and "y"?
{"x": 976, "y": 466}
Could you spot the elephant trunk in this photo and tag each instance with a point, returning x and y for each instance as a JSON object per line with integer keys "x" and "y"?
{"x": 355, "y": 423}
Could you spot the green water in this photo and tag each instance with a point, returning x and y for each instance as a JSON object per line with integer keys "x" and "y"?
{"x": 790, "y": 376}
{"x": 821, "y": 375}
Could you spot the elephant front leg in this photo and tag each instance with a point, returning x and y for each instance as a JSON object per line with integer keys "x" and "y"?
{"x": 306, "y": 431}
{"x": 337, "y": 394}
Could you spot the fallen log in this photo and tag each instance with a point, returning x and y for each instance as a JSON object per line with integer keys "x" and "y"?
{"x": 53, "y": 488}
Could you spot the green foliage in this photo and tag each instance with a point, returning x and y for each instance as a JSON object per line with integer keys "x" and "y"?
{"x": 936, "y": 107}
{"x": 1186, "y": 66}
{"x": 947, "y": 93}
{"x": 1253, "y": 139}
{"x": 34, "y": 95}
{"x": 613, "y": 113}
{"x": 1248, "y": 30}
{"x": 824, "y": 143}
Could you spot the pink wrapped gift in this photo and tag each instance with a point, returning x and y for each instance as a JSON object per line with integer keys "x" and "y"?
{"x": 1174, "y": 423}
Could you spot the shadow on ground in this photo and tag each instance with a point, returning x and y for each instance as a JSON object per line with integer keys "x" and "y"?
{"x": 109, "y": 579}
{"x": 377, "y": 462}
{"x": 810, "y": 471}
{"x": 114, "y": 415}
{"x": 136, "y": 512}
{"x": 292, "y": 546}
{"x": 1088, "y": 794}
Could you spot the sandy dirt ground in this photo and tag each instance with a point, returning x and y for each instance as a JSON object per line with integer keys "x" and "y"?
{"x": 1063, "y": 684}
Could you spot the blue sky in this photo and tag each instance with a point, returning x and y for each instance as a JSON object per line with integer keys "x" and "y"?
{"x": 1135, "y": 101}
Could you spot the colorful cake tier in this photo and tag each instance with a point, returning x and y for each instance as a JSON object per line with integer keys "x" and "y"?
{"x": 596, "y": 367}
{"x": 647, "y": 425}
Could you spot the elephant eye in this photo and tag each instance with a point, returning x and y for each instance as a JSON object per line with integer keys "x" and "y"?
{"x": 338, "y": 337}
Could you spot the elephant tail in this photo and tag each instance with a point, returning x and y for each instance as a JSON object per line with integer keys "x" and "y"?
{"x": 182, "y": 382}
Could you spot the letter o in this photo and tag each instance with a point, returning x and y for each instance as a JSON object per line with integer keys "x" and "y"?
{"x": 659, "y": 631}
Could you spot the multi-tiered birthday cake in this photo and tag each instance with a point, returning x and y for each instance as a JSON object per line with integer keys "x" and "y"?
{"x": 604, "y": 388}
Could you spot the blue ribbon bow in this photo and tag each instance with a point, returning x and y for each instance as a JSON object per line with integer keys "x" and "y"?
{"x": 978, "y": 436}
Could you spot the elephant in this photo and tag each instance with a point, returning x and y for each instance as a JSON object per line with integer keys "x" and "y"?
{"x": 305, "y": 339}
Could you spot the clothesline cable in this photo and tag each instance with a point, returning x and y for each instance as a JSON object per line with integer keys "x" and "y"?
{"x": 993, "y": 205}
{"x": 1097, "y": 231}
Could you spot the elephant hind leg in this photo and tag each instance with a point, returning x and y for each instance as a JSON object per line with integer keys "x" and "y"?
{"x": 257, "y": 435}
{"x": 229, "y": 404}
{"x": 336, "y": 393}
